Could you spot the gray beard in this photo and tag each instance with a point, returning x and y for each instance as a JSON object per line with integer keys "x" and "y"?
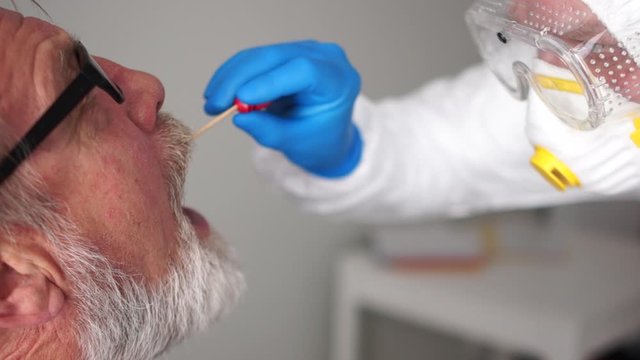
{"x": 120, "y": 317}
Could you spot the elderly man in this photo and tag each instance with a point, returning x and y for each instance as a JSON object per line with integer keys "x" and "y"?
{"x": 98, "y": 259}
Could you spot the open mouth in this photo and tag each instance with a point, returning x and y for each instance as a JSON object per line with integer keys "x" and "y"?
{"x": 199, "y": 223}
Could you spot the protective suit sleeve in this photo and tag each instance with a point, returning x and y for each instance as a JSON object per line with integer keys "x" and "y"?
{"x": 456, "y": 146}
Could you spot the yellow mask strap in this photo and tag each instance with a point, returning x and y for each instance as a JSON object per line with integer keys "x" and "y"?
{"x": 554, "y": 83}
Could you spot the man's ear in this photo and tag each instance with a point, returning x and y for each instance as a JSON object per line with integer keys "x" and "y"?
{"x": 30, "y": 283}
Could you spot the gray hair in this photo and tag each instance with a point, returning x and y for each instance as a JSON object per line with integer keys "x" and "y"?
{"x": 33, "y": 2}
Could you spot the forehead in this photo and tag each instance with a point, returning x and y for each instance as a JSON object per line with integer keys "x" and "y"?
{"x": 558, "y": 16}
{"x": 33, "y": 61}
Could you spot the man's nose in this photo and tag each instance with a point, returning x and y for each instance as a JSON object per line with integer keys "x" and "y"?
{"x": 143, "y": 93}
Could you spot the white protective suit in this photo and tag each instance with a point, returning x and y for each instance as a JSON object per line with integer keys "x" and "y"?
{"x": 462, "y": 145}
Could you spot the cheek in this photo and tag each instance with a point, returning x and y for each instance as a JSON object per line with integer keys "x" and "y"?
{"x": 122, "y": 200}
{"x": 136, "y": 201}
{"x": 551, "y": 58}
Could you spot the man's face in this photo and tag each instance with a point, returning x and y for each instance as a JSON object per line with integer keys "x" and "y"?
{"x": 579, "y": 23}
{"x": 108, "y": 153}
{"x": 118, "y": 169}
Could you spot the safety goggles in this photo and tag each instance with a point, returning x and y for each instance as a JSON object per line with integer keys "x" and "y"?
{"x": 561, "y": 50}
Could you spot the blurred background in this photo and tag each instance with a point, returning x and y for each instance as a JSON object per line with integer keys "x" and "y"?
{"x": 290, "y": 258}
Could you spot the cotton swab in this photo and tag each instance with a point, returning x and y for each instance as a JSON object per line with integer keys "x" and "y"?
{"x": 238, "y": 106}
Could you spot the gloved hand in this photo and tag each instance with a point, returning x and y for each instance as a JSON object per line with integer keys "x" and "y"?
{"x": 312, "y": 87}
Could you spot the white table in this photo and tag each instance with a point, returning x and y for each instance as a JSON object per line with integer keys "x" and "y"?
{"x": 564, "y": 310}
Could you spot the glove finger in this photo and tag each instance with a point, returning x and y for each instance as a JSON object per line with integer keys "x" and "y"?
{"x": 266, "y": 129}
{"x": 242, "y": 67}
{"x": 294, "y": 76}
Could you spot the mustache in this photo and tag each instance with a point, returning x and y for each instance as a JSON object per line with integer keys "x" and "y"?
{"x": 176, "y": 144}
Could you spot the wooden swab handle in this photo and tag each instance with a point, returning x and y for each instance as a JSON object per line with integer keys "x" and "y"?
{"x": 238, "y": 106}
{"x": 230, "y": 111}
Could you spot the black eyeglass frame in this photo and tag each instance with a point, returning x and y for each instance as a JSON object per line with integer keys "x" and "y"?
{"x": 90, "y": 76}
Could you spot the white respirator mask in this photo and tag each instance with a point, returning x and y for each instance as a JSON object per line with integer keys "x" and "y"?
{"x": 582, "y": 75}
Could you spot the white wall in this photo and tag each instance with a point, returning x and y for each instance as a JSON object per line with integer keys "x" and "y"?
{"x": 287, "y": 255}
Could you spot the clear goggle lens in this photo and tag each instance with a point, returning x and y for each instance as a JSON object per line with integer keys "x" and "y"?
{"x": 562, "y": 91}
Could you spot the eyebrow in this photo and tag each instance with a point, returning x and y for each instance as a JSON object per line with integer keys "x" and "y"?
{"x": 71, "y": 68}
{"x": 67, "y": 53}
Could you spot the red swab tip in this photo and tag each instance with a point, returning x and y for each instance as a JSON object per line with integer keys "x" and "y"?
{"x": 245, "y": 108}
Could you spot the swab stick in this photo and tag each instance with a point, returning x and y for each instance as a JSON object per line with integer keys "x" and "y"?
{"x": 230, "y": 111}
{"x": 238, "y": 106}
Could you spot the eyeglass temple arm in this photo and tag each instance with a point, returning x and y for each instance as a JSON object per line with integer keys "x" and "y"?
{"x": 68, "y": 100}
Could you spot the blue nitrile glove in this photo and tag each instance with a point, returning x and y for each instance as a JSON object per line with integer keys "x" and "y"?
{"x": 312, "y": 87}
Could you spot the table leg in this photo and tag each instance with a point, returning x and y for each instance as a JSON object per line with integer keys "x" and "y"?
{"x": 346, "y": 320}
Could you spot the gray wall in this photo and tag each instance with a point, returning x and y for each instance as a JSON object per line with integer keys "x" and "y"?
{"x": 287, "y": 256}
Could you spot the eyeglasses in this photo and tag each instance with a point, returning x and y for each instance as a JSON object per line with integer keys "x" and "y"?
{"x": 91, "y": 75}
